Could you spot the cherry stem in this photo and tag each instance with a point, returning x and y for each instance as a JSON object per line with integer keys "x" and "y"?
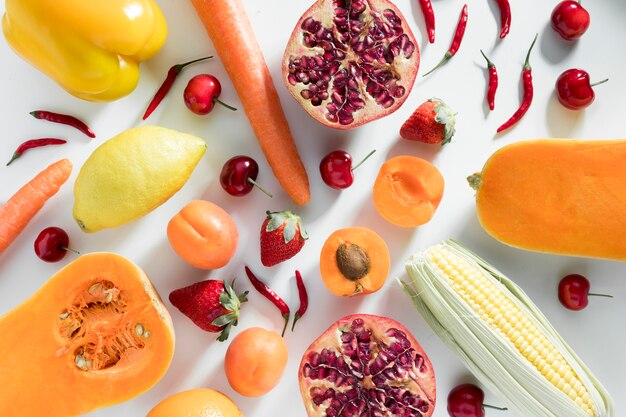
{"x": 363, "y": 160}
{"x": 600, "y": 295}
{"x": 225, "y": 105}
{"x": 253, "y": 182}
{"x": 495, "y": 408}
{"x": 599, "y": 82}
{"x": 70, "y": 250}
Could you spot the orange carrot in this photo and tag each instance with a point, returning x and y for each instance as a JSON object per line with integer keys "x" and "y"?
{"x": 228, "y": 26}
{"x": 16, "y": 213}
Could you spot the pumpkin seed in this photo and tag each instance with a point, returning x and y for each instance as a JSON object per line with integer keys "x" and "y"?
{"x": 92, "y": 290}
{"x": 82, "y": 364}
{"x": 139, "y": 330}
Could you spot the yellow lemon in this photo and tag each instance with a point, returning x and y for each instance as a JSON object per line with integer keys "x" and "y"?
{"x": 132, "y": 174}
{"x": 201, "y": 402}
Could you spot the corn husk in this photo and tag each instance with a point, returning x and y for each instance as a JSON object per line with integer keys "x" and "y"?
{"x": 490, "y": 356}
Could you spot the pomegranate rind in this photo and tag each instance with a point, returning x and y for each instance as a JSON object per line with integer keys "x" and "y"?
{"x": 415, "y": 386}
{"x": 352, "y": 96}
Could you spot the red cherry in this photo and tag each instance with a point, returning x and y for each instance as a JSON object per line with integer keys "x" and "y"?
{"x": 574, "y": 89}
{"x": 201, "y": 94}
{"x": 466, "y": 400}
{"x": 570, "y": 19}
{"x": 51, "y": 244}
{"x": 573, "y": 292}
{"x": 336, "y": 169}
{"x": 238, "y": 176}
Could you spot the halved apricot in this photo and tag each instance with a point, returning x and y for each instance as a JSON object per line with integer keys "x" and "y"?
{"x": 408, "y": 190}
{"x": 354, "y": 261}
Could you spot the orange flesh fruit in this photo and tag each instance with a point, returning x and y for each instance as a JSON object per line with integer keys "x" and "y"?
{"x": 203, "y": 234}
{"x": 407, "y": 191}
{"x": 255, "y": 361}
{"x": 200, "y": 402}
{"x": 560, "y": 196}
{"x": 354, "y": 261}
{"x": 95, "y": 334}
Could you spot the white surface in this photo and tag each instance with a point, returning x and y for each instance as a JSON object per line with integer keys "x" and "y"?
{"x": 596, "y": 334}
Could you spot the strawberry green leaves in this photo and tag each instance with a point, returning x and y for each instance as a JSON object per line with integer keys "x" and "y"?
{"x": 444, "y": 115}
{"x": 212, "y": 305}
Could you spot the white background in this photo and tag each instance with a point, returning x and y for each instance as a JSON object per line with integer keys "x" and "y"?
{"x": 597, "y": 334}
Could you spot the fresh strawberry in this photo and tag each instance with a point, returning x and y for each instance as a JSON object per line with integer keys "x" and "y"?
{"x": 212, "y": 305}
{"x": 282, "y": 236}
{"x": 433, "y": 122}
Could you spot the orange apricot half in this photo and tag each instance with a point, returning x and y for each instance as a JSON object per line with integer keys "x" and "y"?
{"x": 203, "y": 234}
{"x": 408, "y": 190}
{"x": 354, "y": 261}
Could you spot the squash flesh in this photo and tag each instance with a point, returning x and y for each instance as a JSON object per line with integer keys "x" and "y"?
{"x": 557, "y": 196}
{"x": 39, "y": 370}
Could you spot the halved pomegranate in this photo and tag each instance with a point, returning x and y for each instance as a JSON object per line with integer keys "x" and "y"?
{"x": 367, "y": 366}
{"x": 349, "y": 62}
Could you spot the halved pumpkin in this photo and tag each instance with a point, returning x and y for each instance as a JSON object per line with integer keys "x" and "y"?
{"x": 94, "y": 335}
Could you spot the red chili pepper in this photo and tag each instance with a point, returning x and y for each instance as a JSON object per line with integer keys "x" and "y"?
{"x": 304, "y": 299}
{"x": 527, "y": 79}
{"x": 34, "y": 143}
{"x": 456, "y": 41}
{"x": 493, "y": 82}
{"x": 429, "y": 18}
{"x": 64, "y": 119}
{"x": 165, "y": 87}
{"x": 271, "y": 295}
{"x": 505, "y": 17}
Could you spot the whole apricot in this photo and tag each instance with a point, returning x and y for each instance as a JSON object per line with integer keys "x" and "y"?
{"x": 203, "y": 234}
{"x": 255, "y": 361}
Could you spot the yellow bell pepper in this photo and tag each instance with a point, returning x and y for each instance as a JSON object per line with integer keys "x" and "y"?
{"x": 91, "y": 48}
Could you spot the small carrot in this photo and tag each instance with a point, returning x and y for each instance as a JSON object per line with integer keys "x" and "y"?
{"x": 230, "y": 30}
{"x": 16, "y": 213}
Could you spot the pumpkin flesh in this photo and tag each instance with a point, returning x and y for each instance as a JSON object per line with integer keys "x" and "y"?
{"x": 556, "y": 196}
{"x": 95, "y": 334}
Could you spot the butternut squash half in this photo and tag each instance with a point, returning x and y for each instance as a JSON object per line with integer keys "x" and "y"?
{"x": 556, "y": 196}
{"x": 95, "y": 334}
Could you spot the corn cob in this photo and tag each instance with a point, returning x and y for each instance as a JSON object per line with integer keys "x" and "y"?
{"x": 501, "y": 336}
